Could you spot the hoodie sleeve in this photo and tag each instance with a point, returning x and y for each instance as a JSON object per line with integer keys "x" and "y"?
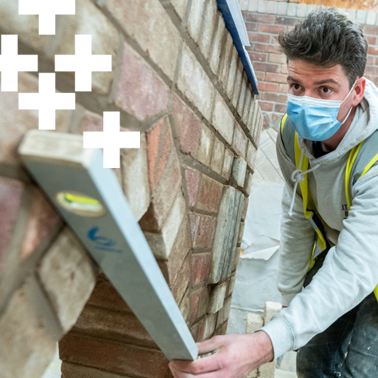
{"x": 349, "y": 274}
{"x": 297, "y": 235}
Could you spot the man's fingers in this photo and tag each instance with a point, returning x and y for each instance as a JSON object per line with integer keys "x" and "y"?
{"x": 202, "y": 366}
{"x": 209, "y": 346}
{"x": 177, "y": 373}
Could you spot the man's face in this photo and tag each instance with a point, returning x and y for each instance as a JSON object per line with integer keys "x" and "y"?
{"x": 306, "y": 79}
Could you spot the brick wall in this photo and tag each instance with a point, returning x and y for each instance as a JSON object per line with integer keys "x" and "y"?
{"x": 178, "y": 79}
{"x": 265, "y": 20}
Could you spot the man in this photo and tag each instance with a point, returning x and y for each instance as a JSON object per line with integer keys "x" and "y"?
{"x": 333, "y": 321}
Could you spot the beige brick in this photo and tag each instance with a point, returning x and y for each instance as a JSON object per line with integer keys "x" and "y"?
{"x": 238, "y": 84}
{"x": 196, "y": 18}
{"x": 224, "y": 312}
{"x": 215, "y": 55}
{"x": 241, "y": 232}
{"x": 223, "y": 120}
{"x": 249, "y": 183}
{"x": 68, "y": 277}
{"x": 232, "y": 74}
{"x": 135, "y": 178}
{"x": 91, "y": 21}
{"x": 254, "y": 322}
{"x": 239, "y": 141}
{"x": 217, "y": 298}
{"x": 247, "y": 106}
{"x": 227, "y": 163}
{"x": 161, "y": 243}
{"x": 270, "y": 309}
{"x": 232, "y": 284}
{"x": 26, "y": 27}
{"x": 195, "y": 84}
{"x": 210, "y": 18}
{"x": 251, "y": 155}
{"x": 243, "y": 91}
{"x": 180, "y": 6}
{"x": 245, "y": 209}
{"x": 268, "y": 370}
{"x": 207, "y": 328}
{"x": 149, "y": 24}
{"x": 226, "y": 56}
{"x": 253, "y": 374}
{"x": 206, "y": 145}
{"x": 217, "y": 158}
{"x": 239, "y": 169}
{"x": 26, "y": 346}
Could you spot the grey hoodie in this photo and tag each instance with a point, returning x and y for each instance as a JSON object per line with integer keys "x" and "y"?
{"x": 350, "y": 270}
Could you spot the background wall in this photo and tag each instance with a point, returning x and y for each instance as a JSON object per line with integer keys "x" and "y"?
{"x": 177, "y": 79}
{"x": 265, "y": 20}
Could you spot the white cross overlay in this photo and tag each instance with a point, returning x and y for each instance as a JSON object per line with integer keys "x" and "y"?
{"x": 46, "y": 101}
{"x": 112, "y": 139}
{"x": 83, "y": 63}
{"x": 11, "y": 63}
{"x": 47, "y": 10}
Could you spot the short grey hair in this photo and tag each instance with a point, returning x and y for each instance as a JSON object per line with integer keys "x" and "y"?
{"x": 325, "y": 38}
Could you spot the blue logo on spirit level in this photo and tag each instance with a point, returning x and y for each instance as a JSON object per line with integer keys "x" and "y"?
{"x": 102, "y": 243}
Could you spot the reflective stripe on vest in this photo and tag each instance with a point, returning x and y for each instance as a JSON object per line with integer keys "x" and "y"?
{"x": 361, "y": 158}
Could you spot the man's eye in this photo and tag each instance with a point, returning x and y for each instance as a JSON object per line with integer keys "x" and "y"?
{"x": 325, "y": 90}
{"x": 297, "y": 87}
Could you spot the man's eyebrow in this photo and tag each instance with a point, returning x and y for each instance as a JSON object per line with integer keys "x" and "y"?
{"x": 327, "y": 81}
{"x": 293, "y": 79}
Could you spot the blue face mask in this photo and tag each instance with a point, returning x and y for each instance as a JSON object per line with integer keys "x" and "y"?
{"x": 315, "y": 119}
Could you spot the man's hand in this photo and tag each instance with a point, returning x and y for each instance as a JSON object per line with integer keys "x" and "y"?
{"x": 234, "y": 357}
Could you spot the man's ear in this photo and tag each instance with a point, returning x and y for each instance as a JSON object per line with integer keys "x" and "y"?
{"x": 359, "y": 91}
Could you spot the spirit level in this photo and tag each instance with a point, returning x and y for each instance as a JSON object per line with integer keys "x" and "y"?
{"x": 90, "y": 199}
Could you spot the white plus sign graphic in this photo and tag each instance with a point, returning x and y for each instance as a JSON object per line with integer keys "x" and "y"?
{"x": 83, "y": 63}
{"x": 47, "y": 11}
{"x": 112, "y": 139}
{"x": 46, "y": 101}
{"x": 11, "y": 63}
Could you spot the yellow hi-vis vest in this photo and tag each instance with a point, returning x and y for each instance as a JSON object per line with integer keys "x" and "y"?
{"x": 361, "y": 158}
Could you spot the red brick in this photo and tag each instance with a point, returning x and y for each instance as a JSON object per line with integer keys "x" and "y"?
{"x": 210, "y": 194}
{"x": 140, "y": 91}
{"x": 280, "y": 108}
{"x": 260, "y": 75}
{"x": 113, "y": 357}
{"x": 266, "y": 67}
{"x": 163, "y": 195}
{"x": 266, "y": 48}
{"x": 114, "y": 325}
{"x": 200, "y": 267}
{"x": 239, "y": 142}
{"x": 286, "y": 21}
{"x": 258, "y": 37}
{"x": 283, "y": 88}
{"x": 272, "y": 29}
{"x": 371, "y": 70}
{"x": 275, "y": 58}
{"x": 251, "y": 26}
{"x": 253, "y": 17}
{"x": 182, "y": 281}
{"x": 188, "y": 126}
{"x": 105, "y": 295}
{"x": 276, "y": 78}
{"x": 263, "y": 86}
{"x": 266, "y": 106}
{"x": 371, "y": 40}
{"x": 259, "y": 57}
{"x": 274, "y": 97}
{"x": 195, "y": 220}
{"x": 159, "y": 146}
{"x": 373, "y": 50}
{"x": 192, "y": 178}
{"x": 42, "y": 221}
{"x": 11, "y": 192}
{"x": 206, "y": 231}
{"x": 199, "y": 301}
{"x": 266, "y": 124}
{"x": 371, "y": 30}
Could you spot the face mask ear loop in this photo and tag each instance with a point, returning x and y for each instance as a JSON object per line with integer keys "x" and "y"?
{"x": 297, "y": 176}
{"x": 350, "y": 110}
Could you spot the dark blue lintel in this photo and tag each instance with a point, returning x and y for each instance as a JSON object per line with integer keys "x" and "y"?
{"x": 244, "y": 57}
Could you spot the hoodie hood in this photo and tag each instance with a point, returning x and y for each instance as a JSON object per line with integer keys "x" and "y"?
{"x": 365, "y": 122}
